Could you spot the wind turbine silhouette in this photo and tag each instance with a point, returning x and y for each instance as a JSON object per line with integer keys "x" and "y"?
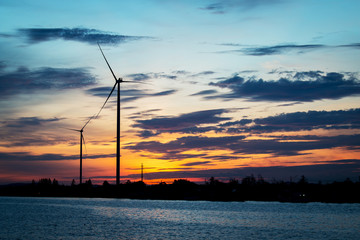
{"x": 117, "y": 83}
{"x": 82, "y": 139}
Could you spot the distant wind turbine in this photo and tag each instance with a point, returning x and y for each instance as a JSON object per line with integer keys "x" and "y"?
{"x": 82, "y": 139}
{"x": 117, "y": 82}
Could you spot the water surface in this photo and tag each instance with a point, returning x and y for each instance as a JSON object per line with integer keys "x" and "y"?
{"x": 72, "y": 218}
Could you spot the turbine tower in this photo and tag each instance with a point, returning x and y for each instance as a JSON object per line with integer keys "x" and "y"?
{"x": 82, "y": 139}
{"x": 117, "y": 83}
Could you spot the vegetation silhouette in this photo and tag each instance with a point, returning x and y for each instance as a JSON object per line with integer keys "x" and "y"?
{"x": 249, "y": 188}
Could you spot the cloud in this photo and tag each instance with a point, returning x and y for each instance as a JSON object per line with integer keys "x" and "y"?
{"x": 278, "y": 146}
{"x": 187, "y": 143}
{"x": 164, "y": 93}
{"x": 297, "y": 121}
{"x": 2, "y": 66}
{"x": 23, "y": 123}
{"x": 26, "y": 156}
{"x": 204, "y": 73}
{"x": 312, "y": 120}
{"x": 292, "y": 146}
{"x": 282, "y": 49}
{"x": 242, "y": 5}
{"x": 352, "y": 45}
{"x": 279, "y": 49}
{"x": 337, "y": 170}
{"x": 90, "y": 36}
{"x": 238, "y": 145}
{"x": 204, "y": 92}
{"x": 188, "y": 122}
{"x": 128, "y": 95}
{"x": 144, "y": 114}
{"x": 27, "y": 81}
{"x": 147, "y": 134}
{"x": 301, "y": 87}
{"x": 29, "y": 131}
{"x": 34, "y": 131}
{"x": 139, "y": 76}
{"x": 197, "y": 163}
{"x": 146, "y": 76}
{"x": 241, "y": 122}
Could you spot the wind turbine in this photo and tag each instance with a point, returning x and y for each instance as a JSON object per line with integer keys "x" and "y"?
{"x": 82, "y": 139}
{"x": 117, "y": 83}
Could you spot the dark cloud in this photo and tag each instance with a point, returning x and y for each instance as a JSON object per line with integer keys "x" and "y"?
{"x": 292, "y": 146}
{"x": 29, "y": 131}
{"x": 164, "y": 93}
{"x": 216, "y": 8}
{"x": 337, "y": 170}
{"x": 312, "y": 120}
{"x": 298, "y": 121}
{"x": 90, "y": 36}
{"x": 277, "y": 146}
{"x": 187, "y": 143}
{"x": 188, "y": 122}
{"x": 280, "y": 146}
{"x": 222, "y": 158}
{"x": 26, "y": 156}
{"x": 147, "y": 134}
{"x": 161, "y": 75}
{"x": 181, "y": 72}
{"x": 128, "y": 95}
{"x": 2, "y": 66}
{"x": 146, "y": 76}
{"x": 231, "y": 44}
{"x": 144, "y": 114}
{"x": 99, "y": 91}
{"x": 241, "y": 122}
{"x": 282, "y": 49}
{"x": 205, "y": 92}
{"x": 279, "y": 49}
{"x": 352, "y": 45}
{"x": 302, "y": 87}
{"x": 26, "y": 81}
{"x": 289, "y": 104}
{"x": 5, "y": 35}
{"x": 204, "y": 73}
{"x": 35, "y": 131}
{"x": 176, "y": 156}
{"x": 23, "y": 123}
{"x": 139, "y": 76}
{"x": 241, "y": 5}
{"x": 197, "y": 163}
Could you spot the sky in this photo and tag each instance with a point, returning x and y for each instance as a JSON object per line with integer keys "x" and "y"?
{"x": 219, "y": 89}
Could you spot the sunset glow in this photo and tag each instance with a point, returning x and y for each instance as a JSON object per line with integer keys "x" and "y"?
{"x": 219, "y": 89}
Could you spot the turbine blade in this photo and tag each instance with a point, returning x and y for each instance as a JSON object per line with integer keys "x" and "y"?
{"x": 88, "y": 121}
{"x": 71, "y": 129}
{"x": 139, "y": 82}
{"x": 107, "y": 63}
{"x": 112, "y": 90}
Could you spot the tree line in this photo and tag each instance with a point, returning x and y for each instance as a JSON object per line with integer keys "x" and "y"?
{"x": 249, "y": 188}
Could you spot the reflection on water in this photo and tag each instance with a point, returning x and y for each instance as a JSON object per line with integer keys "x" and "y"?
{"x": 65, "y": 218}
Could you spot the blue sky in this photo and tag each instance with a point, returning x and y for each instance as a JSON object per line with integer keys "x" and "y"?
{"x": 227, "y": 88}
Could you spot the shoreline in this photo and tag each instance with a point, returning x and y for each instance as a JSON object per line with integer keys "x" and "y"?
{"x": 337, "y": 192}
